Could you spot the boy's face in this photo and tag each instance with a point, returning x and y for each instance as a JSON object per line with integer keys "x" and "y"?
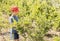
{"x": 14, "y": 13}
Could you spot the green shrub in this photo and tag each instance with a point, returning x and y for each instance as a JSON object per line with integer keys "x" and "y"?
{"x": 36, "y": 17}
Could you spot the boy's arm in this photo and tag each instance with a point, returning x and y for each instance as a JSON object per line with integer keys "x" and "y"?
{"x": 10, "y": 20}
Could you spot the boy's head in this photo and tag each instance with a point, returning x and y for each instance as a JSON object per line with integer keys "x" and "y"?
{"x": 14, "y": 10}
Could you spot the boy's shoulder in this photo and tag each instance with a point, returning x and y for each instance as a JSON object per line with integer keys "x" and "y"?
{"x": 10, "y": 17}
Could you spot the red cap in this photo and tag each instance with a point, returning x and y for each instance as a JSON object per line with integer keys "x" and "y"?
{"x": 14, "y": 9}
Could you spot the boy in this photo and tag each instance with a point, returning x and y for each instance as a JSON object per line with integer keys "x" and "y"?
{"x": 12, "y": 17}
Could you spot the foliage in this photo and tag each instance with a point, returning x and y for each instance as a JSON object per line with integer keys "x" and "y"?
{"x": 56, "y": 39}
{"x": 36, "y": 17}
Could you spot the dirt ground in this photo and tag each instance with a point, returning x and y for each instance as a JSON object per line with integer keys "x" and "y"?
{"x": 6, "y": 37}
